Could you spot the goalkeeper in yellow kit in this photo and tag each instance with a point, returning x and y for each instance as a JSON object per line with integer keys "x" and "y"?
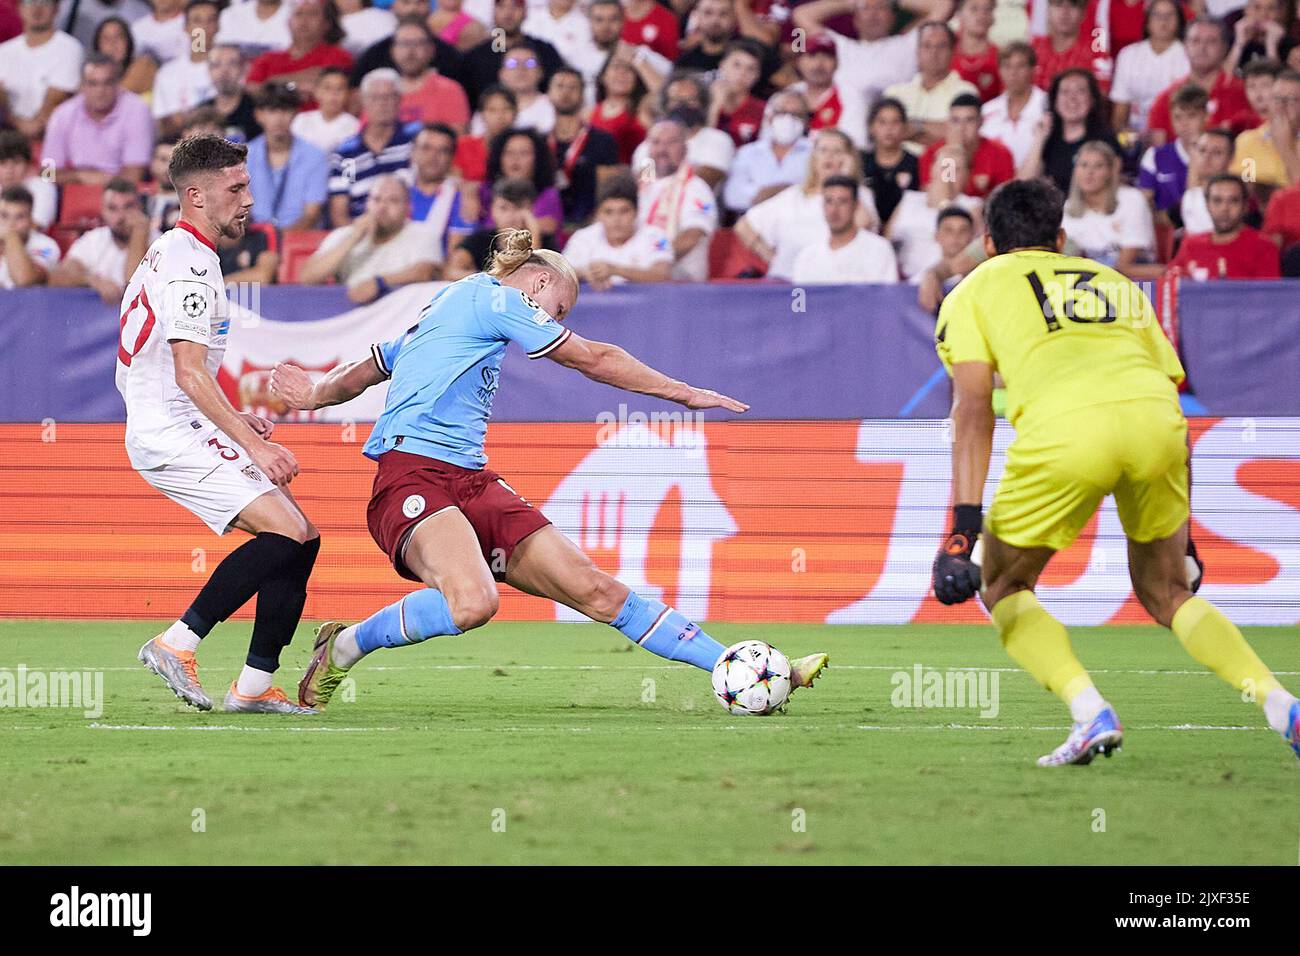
{"x": 1091, "y": 392}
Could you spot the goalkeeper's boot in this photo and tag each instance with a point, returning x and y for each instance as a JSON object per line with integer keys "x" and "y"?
{"x": 1293, "y": 728}
{"x": 1101, "y": 735}
{"x": 272, "y": 702}
{"x": 178, "y": 669}
{"x": 323, "y": 676}
{"x": 805, "y": 670}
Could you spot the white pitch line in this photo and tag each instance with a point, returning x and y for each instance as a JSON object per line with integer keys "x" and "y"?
{"x": 760, "y": 726}
{"x": 679, "y": 667}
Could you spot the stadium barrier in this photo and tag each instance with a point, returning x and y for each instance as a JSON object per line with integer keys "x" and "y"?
{"x": 825, "y": 503}
{"x": 835, "y": 353}
{"x": 833, "y": 521}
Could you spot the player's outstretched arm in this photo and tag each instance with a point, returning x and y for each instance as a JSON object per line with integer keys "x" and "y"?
{"x": 340, "y": 384}
{"x": 248, "y": 431}
{"x": 955, "y": 576}
{"x": 611, "y": 365}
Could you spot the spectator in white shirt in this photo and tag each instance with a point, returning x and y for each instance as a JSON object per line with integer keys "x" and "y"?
{"x": 778, "y": 229}
{"x": 561, "y": 23}
{"x": 363, "y": 25}
{"x": 1108, "y": 221}
{"x": 15, "y": 170}
{"x": 710, "y": 151}
{"x": 915, "y": 221}
{"x": 256, "y": 26}
{"x": 185, "y": 82}
{"x": 877, "y": 59}
{"x": 104, "y": 258}
{"x": 679, "y": 202}
{"x": 777, "y": 159}
{"x": 928, "y": 95}
{"x": 1211, "y": 156}
{"x": 26, "y": 256}
{"x": 616, "y": 248}
{"x": 849, "y": 254}
{"x": 379, "y": 250}
{"x": 330, "y": 123}
{"x": 1144, "y": 70}
{"x": 953, "y": 233}
{"x": 38, "y": 69}
{"x": 1011, "y": 116}
{"x": 161, "y": 35}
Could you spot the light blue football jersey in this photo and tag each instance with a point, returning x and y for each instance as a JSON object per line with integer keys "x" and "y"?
{"x": 444, "y": 369}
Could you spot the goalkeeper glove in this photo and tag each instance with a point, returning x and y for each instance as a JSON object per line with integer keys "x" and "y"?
{"x": 1195, "y": 566}
{"x": 956, "y": 578}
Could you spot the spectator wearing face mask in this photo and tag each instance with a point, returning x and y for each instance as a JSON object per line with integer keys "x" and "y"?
{"x": 778, "y": 229}
{"x": 777, "y": 160}
{"x": 1232, "y": 250}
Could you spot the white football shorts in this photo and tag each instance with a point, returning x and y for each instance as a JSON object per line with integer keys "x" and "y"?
{"x": 212, "y": 477}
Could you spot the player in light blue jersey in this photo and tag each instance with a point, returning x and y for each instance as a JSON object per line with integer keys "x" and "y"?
{"x": 447, "y": 521}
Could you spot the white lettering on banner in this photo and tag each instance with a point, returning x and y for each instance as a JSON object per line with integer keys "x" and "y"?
{"x": 1220, "y": 504}
{"x": 1230, "y": 511}
{"x": 609, "y": 502}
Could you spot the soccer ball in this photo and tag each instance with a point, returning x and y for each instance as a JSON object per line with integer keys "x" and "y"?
{"x": 751, "y": 679}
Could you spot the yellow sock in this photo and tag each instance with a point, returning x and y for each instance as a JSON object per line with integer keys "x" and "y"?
{"x": 1039, "y": 643}
{"x": 1214, "y": 641}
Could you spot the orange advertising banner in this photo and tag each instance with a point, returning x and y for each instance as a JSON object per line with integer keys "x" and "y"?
{"x": 827, "y": 521}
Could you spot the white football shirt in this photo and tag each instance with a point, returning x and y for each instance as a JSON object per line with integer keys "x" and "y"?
{"x": 176, "y": 293}
{"x": 647, "y": 247}
{"x": 868, "y": 258}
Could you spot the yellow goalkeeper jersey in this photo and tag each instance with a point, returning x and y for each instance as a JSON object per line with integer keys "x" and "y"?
{"x": 1064, "y": 332}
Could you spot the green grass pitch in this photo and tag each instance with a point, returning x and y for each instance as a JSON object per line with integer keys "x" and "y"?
{"x": 562, "y": 744}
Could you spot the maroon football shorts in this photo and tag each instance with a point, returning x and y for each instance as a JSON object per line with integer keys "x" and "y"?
{"x": 409, "y": 489}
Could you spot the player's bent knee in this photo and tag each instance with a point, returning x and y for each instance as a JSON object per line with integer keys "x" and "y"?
{"x": 602, "y": 596}
{"x": 1163, "y": 601}
{"x": 474, "y": 607}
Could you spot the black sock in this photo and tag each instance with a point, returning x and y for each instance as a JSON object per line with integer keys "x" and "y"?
{"x": 238, "y": 578}
{"x": 280, "y": 600}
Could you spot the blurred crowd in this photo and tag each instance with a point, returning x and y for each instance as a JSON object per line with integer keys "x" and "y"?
{"x": 827, "y": 141}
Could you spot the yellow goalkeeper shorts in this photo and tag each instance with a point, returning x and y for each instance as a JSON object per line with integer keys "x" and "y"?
{"x": 1058, "y": 471}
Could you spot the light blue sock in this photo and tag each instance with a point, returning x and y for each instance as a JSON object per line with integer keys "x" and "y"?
{"x": 415, "y": 618}
{"x": 663, "y": 630}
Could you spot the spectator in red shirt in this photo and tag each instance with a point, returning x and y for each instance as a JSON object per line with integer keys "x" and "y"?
{"x": 498, "y": 108}
{"x": 619, "y": 91}
{"x": 649, "y": 24}
{"x": 10, "y": 23}
{"x": 1067, "y": 47}
{"x": 1233, "y": 250}
{"x": 1207, "y": 45}
{"x": 991, "y": 163}
{"x": 733, "y": 108}
{"x": 1282, "y": 218}
{"x": 314, "y": 34}
{"x": 975, "y": 58}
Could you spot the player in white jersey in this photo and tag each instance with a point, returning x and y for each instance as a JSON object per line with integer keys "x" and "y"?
{"x": 185, "y": 438}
